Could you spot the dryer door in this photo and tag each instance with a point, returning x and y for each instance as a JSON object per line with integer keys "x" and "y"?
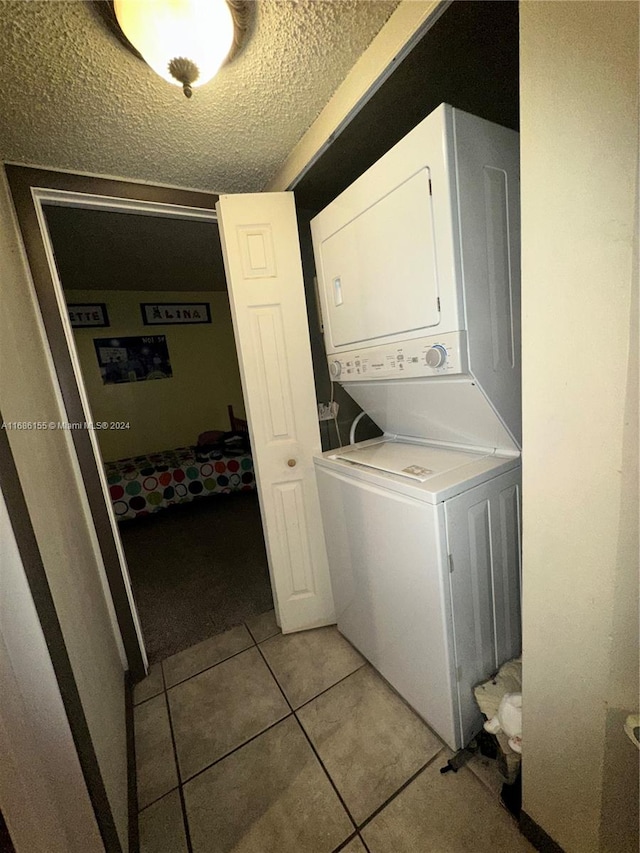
{"x": 379, "y": 270}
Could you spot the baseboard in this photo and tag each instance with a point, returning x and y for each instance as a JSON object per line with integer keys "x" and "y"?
{"x": 132, "y": 780}
{"x": 537, "y": 836}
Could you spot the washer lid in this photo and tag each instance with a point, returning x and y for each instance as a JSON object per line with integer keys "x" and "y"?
{"x": 383, "y": 462}
{"x": 416, "y": 461}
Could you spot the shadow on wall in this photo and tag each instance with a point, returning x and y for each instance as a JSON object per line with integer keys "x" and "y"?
{"x": 621, "y": 786}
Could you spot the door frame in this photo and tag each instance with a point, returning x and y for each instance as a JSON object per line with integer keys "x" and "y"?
{"x": 30, "y": 189}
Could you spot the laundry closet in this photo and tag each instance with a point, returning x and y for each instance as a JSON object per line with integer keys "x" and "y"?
{"x": 418, "y": 274}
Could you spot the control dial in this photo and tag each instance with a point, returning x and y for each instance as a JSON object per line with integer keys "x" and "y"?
{"x": 436, "y": 356}
{"x": 335, "y": 369}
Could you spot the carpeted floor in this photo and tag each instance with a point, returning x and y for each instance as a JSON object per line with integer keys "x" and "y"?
{"x": 196, "y": 570}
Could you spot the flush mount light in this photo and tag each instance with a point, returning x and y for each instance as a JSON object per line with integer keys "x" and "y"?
{"x": 184, "y": 41}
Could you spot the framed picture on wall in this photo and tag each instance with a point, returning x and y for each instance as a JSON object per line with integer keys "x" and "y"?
{"x": 88, "y": 315}
{"x": 133, "y": 359}
{"x": 174, "y": 313}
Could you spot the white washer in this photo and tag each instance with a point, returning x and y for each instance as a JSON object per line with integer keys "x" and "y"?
{"x": 424, "y": 552}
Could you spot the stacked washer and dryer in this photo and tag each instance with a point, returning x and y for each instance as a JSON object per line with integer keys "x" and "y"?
{"x": 418, "y": 272}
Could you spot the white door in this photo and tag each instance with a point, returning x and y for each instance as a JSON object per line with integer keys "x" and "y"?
{"x": 264, "y": 275}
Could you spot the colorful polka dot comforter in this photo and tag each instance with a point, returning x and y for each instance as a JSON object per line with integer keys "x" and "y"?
{"x": 145, "y": 484}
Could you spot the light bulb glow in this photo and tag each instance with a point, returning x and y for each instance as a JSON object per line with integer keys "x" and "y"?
{"x": 164, "y": 30}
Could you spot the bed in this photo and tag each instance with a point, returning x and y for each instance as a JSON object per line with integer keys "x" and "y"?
{"x": 219, "y": 464}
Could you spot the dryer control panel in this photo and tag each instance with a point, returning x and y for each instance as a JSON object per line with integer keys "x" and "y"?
{"x": 445, "y": 355}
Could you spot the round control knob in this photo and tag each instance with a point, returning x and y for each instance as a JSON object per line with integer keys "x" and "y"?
{"x": 335, "y": 369}
{"x": 291, "y": 463}
{"x": 436, "y": 356}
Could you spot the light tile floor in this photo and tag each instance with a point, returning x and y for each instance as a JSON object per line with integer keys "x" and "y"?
{"x": 255, "y": 742}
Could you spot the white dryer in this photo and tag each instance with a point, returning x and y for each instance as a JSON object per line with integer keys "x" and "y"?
{"x": 418, "y": 272}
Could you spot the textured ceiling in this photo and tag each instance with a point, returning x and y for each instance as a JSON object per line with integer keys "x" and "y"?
{"x": 468, "y": 58}
{"x": 74, "y": 98}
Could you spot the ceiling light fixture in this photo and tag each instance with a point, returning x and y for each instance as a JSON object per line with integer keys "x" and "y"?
{"x": 186, "y": 42}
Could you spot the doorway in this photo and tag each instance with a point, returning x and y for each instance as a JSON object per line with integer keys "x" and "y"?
{"x": 270, "y": 322}
{"x": 167, "y": 394}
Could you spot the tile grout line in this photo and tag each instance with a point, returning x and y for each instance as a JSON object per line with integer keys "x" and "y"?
{"x": 293, "y": 712}
{"x": 404, "y": 785}
{"x": 207, "y": 668}
{"x": 327, "y": 689}
{"x": 284, "y": 695}
{"x": 326, "y": 772}
{"x": 235, "y": 749}
{"x": 157, "y": 799}
{"x": 377, "y": 811}
{"x": 235, "y": 654}
{"x": 148, "y": 699}
{"x": 345, "y": 843}
{"x": 272, "y": 725}
{"x": 183, "y": 804}
{"x": 166, "y": 687}
{"x": 363, "y": 842}
{"x": 257, "y": 642}
{"x": 180, "y": 785}
{"x": 253, "y": 643}
{"x": 313, "y": 749}
{"x": 164, "y": 692}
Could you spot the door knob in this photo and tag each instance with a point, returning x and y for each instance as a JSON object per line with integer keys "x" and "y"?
{"x": 291, "y": 463}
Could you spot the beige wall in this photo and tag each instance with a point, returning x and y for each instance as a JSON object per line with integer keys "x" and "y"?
{"x": 162, "y": 413}
{"x": 57, "y": 504}
{"x": 36, "y": 743}
{"x": 579, "y": 149}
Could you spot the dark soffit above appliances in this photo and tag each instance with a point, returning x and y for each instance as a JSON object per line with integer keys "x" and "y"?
{"x": 469, "y": 59}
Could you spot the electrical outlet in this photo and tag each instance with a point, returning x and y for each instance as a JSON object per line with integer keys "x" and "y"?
{"x": 327, "y": 411}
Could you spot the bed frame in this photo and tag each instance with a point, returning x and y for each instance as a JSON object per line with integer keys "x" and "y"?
{"x": 145, "y": 484}
{"x": 237, "y": 424}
